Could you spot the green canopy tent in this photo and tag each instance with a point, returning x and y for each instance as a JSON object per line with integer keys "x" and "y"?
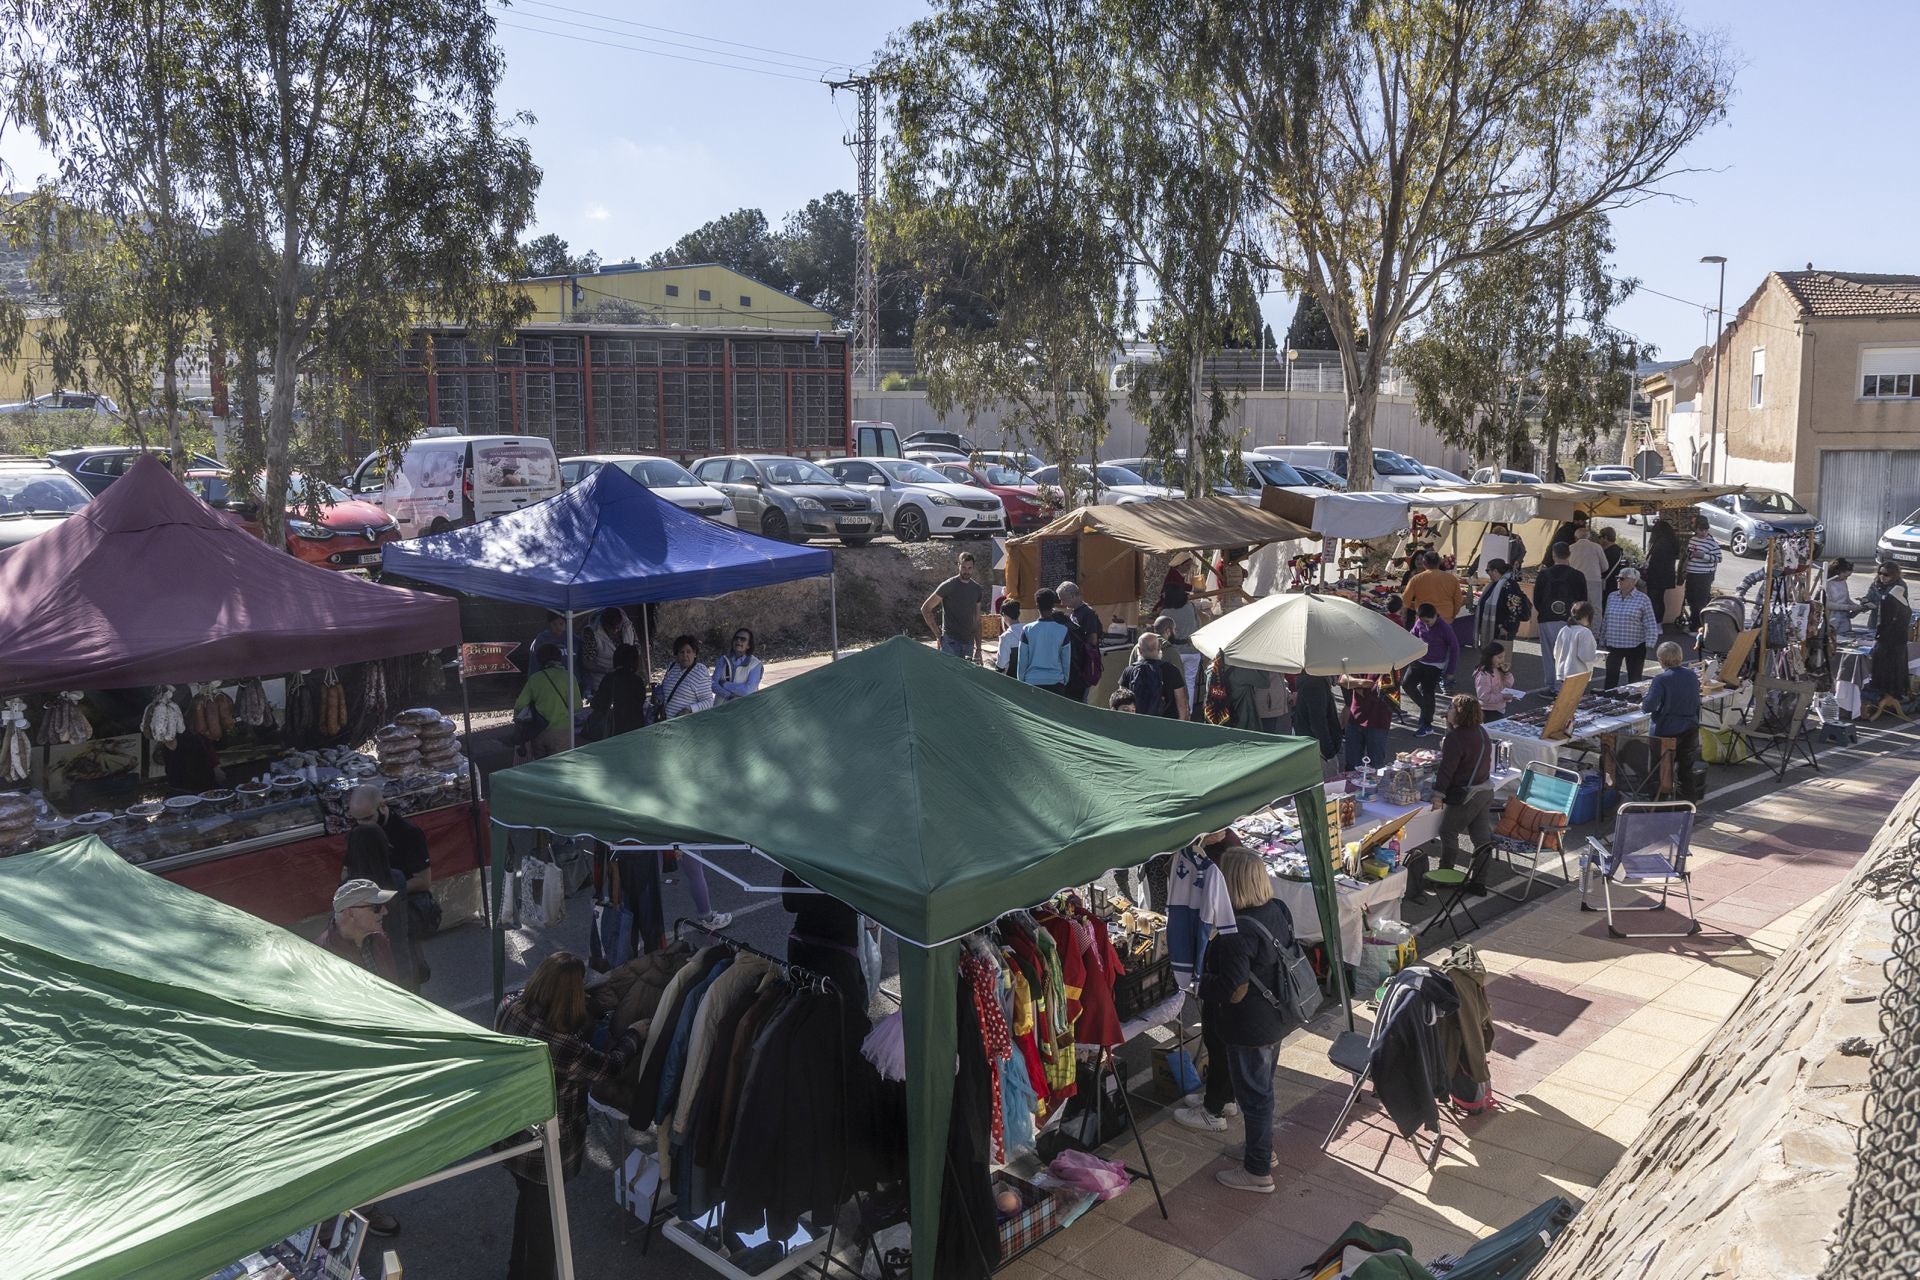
{"x": 932, "y": 796}
{"x": 182, "y": 1083}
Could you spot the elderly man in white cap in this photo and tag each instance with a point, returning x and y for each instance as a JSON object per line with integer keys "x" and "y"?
{"x": 357, "y": 933}
{"x": 1630, "y": 627}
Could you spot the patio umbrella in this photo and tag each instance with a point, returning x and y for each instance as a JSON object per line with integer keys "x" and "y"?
{"x": 1311, "y": 634}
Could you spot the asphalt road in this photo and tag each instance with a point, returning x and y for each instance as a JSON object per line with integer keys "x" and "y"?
{"x": 460, "y": 1230}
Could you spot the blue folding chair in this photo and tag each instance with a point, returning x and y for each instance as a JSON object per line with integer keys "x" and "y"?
{"x": 1550, "y": 790}
{"x": 1651, "y": 842}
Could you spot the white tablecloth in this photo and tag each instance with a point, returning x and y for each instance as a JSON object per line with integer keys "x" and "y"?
{"x": 1522, "y": 750}
{"x": 1355, "y": 904}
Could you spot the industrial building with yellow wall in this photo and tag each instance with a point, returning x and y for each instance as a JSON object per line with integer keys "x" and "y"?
{"x": 706, "y": 295}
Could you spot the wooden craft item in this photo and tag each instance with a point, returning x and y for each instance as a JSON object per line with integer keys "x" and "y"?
{"x": 1560, "y": 719}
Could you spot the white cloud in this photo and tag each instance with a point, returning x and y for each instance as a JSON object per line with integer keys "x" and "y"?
{"x": 598, "y": 213}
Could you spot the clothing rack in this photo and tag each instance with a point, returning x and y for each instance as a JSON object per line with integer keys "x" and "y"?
{"x": 690, "y": 1236}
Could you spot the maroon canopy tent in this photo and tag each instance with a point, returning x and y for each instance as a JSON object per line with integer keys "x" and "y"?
{"x": 147, "y": 585}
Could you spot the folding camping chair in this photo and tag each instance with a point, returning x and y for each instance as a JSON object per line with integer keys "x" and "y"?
{"x": 1353, "y": 1053}
{"x": 1652, "y": 840}
{"x": 1453, "y": 882}
{"x": 1785, "y": 724}
{"x": 1510, "y": 1253}
{"x": 1535, "y": 822}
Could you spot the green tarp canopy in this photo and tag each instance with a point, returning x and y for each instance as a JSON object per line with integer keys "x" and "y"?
{"x": 181, "y": 1083}
{"x": 931, "y": 795}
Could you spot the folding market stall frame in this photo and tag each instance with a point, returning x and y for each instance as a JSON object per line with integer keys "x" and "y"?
{"x": 605, "y": 542}
{"x": 179, "y": 1093}
{"x": 870, "y": 779}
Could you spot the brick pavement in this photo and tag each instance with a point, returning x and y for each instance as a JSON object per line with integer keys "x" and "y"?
{"x": 1592, "y": 1032}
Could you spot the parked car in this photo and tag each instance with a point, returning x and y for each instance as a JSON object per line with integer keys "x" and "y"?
{"x": 1440, "y": 475}
{"x": 918, "y": 502}
{"x": 55, "y": 401}
{"x": 1321, "y": 479}
{"x": 791, "y": 498}
{"x": 662, "y": 475}
{"x": 35, "y": 496}
{"x": 1257, "y": 470}
{"x": 348, "y": 533}
{"x": 1746, "y": 522}
{"x": 1901, "y": 543}
{"x": 1611, "y": 474}
{"x": 1109, "y": 484}
{"x": 1391, "y": 471}
{"x": 951, "y": 440}
{"x": 1027, "y": 505}
{"x": 448, "y": 481}
{"x": 1504, "y": 475}
{"x": 1174, "y": 478}
{"x": 96, "y": 466}
{"x": 1018, "y": 459}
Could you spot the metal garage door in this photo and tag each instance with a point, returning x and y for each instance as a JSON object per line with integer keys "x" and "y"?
{"x": 1862, "y": 492}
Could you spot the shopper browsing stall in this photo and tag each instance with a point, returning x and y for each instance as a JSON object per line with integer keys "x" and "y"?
{"x": 1046, "y": 645}
{"x": 1575, "y": 650}
{"x": 1425, "y": 674}
{"x": 687, "y": 685}
{"x": 1631, "y": 625}
{"x": 1463, "y": 785}
{"x": 1369, "y": 718}
{"x": 1559, "y": 587}
{"x": 620, "y": 703}
{"x": 738, "y": 672}
{"x": 546, "y": 704}
{"x": 1493, "y": 680}
{"x": 1673, "y": 700}
{"x": 1435, "y": 585}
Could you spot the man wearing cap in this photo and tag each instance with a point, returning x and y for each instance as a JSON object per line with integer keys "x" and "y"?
{"x": 373, "y": 854}
{"x": 1629, "y": 628}
{"x": 356, "y": 934}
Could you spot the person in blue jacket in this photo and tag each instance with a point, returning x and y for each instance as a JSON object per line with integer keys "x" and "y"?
{"x": 1046, "y": 645}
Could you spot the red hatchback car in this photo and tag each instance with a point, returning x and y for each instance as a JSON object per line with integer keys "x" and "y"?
{"x": 348, "y": 535}
{"x": 1027, "y": 507}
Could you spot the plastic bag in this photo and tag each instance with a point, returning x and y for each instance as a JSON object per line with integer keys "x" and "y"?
{"x": 870, "y": 953}
{"x": 543, "y": 894}
{"x": 1083, "y": 1172}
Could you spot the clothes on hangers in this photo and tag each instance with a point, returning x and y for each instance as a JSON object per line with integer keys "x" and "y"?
{"x": 981, "y": 978}
{"x": 1198, "y": 907}
{"x": 1410, "y": 1074}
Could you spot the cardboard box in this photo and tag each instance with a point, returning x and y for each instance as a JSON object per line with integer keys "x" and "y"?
{"x": 1162, "y": 1043}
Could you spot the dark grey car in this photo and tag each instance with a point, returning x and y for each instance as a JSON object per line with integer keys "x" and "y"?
{"x": 790, "y": 498}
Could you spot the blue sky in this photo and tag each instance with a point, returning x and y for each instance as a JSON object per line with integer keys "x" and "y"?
{"x": 1811, "y": 164}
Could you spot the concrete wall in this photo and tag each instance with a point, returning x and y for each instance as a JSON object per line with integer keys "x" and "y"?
{"x": 553, "y": 298}
{"x": 1269, "y": 417}
{"x": 1769, "y": 432}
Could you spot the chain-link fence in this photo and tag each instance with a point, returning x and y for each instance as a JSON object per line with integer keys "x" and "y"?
{"x": 1880, "y": 1233}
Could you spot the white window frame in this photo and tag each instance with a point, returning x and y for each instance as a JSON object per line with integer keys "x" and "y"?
{"x": 1757, "y": 380}
{"x": 1894, "y": 372}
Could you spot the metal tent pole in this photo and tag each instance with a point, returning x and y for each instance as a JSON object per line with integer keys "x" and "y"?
{"x": 833, "y": 611}
{"x": 474, "y": 796}
{"x": 646, "y": 646}
{"x": 572, "y": 703}
{"x": 557, "y": 1200}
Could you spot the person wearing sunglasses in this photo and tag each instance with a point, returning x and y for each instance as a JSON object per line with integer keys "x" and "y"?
{"x": 738, "y": 672}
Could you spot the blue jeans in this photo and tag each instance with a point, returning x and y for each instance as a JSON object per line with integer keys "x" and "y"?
{"x": 1252, "y": 1070}
{"x": 1370, "y": 744}
{"x": 958, "y": 648}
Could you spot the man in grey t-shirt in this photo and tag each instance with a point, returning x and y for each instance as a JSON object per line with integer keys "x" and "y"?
{"x": 958, "y": 600}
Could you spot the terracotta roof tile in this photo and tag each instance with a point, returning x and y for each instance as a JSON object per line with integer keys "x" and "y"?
{"x": 1853, "y": 293}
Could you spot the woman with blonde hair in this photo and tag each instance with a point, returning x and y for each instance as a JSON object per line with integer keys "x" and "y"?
{"x": 1243, "y": 989}
{"x": 553, "y": 1008}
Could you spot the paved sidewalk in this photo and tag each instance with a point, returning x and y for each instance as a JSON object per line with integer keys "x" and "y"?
{"x": 1592, "y": 1033}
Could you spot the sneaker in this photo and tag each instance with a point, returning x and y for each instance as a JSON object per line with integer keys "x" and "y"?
{"x": 1240, "y": 1180}
{"x": 1231, "y": 1111}
{"x": 1199, "y": 1118}
{"x": 1422, "y": 731}
{"x": 716, "y": 920}
{"x": 1474, "y": 889}
{"x": 380, "y": 1222}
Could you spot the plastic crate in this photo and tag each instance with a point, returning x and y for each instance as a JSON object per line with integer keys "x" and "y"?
{"x": 1143, "y": 987}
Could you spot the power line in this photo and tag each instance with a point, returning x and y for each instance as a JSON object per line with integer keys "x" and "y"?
{"x": 653, "y": 40}
{"x": 825, "y": 63}
{"x": 658, "y": 53}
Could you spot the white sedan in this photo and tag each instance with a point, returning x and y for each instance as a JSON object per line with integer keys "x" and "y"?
{"x": 918, "y": 503}
{"x": 1110, "y": 485}
{"x": 662, "y": 475}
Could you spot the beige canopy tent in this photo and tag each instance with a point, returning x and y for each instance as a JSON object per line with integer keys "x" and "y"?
{"x": 1101, "y": 548}
{"x": 1557, "y": 503}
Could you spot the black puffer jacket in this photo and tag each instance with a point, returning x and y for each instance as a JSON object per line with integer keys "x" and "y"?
{"x": 1241, "y": 1013}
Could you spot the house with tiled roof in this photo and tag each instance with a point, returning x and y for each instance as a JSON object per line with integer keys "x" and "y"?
{"x": 1813, "y": 389}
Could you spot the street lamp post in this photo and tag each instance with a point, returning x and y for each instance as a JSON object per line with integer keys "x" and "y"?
{"x": 1719, "y": 327}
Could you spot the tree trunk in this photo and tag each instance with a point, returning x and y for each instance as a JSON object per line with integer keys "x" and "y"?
{"x": 273, "y": 517}
{"x": 170, "y": 397}
{"x": 1199, "y": 467}
{"x": 1363, "y": 394}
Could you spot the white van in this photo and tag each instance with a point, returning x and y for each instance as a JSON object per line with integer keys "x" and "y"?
{"x": 1391, "y": 472}
{"x": 446, "y": 481}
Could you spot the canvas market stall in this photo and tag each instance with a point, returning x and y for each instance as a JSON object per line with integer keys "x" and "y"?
{"x": 1558, "y": 503}
{"x": 929, "y": 795}
{"x": 148, "y": 606}
{"x": 182, "y": 1092}
{"x": 608, "y": 541}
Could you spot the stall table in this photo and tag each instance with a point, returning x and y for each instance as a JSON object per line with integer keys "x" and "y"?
{"x": 1358, "y": 899}
{"x": 1526, "y": 746}
{"x": 1850, "y": 674}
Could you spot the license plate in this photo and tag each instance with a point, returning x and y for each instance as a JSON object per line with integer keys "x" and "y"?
{"x": 861, "y": 521}
{"x": 367, "y": 557}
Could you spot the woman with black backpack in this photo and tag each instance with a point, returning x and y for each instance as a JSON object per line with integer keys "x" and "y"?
{"x": 1244, "y": 994}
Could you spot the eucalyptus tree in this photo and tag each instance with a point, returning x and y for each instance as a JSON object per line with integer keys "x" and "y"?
{"x": 1443, "y": 132}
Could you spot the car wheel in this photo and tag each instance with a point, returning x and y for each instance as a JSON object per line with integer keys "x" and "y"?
{"x": 855, "y": 542}
{"x": 910, "y": 525}
{"x": 773, "y": 524}
{"x": 1738, "y": 543}
{"x": 438, "y": 526}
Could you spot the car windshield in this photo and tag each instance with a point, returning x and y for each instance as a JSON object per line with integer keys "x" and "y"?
{"x": 50, "y": 490}
{"x": 1771, "y": 504}
{"x": 912, "y": 473}
{"x": 1914, "y": 518}
{"x": 1117, "y": 475}
{"x": 297, "y": 486}
{"x": 660, "y": 473}
{"x": 1276, "y": 472}
{"x": 1004, "y": 475}
{"x": 795, "y": 471}
{"x": 1388, "y": 463}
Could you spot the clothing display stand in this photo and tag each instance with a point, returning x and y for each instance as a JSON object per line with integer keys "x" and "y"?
{"x": 698, "y": 1237}
{"x": 1104, "y": 1063}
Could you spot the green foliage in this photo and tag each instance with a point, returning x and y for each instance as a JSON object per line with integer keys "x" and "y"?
{"x": 1518, "y": 346}
{"x": 1309, "y": 330}
{"x": 997, "y": 199}
{"x": 549, "y": 255}
{"x": 1440, "y": 134}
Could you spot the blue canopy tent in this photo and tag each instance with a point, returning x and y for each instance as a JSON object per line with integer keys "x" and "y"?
{"x": 607, "y": 541}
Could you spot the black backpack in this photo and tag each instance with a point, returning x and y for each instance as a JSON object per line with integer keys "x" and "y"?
{"x": 1293, "y": 975}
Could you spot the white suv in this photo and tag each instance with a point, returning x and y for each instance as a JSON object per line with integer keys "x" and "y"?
{"x": 918, "y": 502}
